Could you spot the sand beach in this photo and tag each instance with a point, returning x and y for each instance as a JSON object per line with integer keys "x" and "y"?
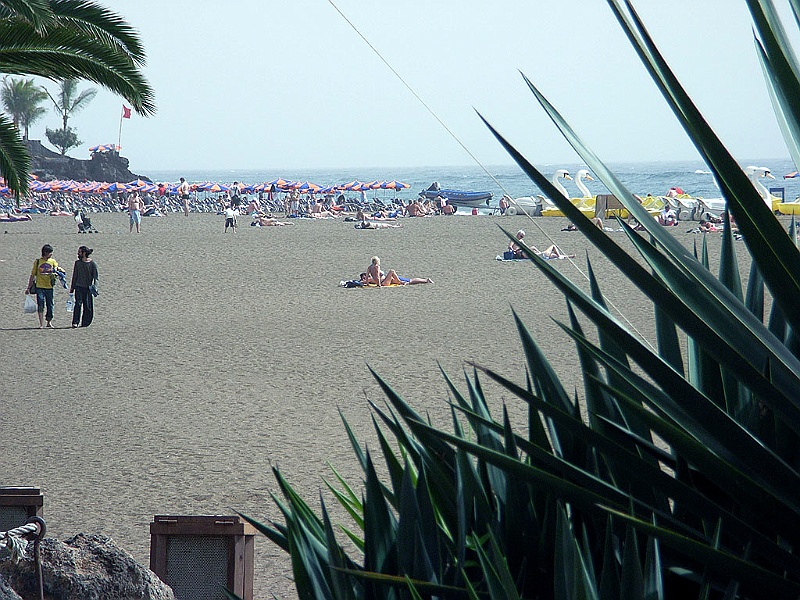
{"x": 213, "y": 356}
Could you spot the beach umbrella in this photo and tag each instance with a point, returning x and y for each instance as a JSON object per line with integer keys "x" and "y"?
{"x": 138, "y": 183}
{"x": 104, "y": 148}
{"x": 308, "y": 188}
{"x": 90, "y": 186}
{"x": 350, "y": 186}
{"x": 280, "y": 183}
{"x": 396, "y": 185}
{"x": 117, "y": 187}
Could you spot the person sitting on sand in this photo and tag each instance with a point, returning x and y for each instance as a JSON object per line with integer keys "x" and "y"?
{"x": 707, "y": 226}
{"x": 375, "y": 276}
{"x": 668, "y": 218}
{"x": 513, "y": 247}
{"x": 552, "y": 251}
{"x": 253, "y": 207}
{"x": 378, "y": 277}
{"x": 415, "y": 209}
{"x": 318, "y": 211}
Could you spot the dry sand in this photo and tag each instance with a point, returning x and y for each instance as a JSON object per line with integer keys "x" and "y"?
{"x": 214, "y": 356}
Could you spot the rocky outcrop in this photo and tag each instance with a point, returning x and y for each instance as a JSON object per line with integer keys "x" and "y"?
{"x": 81, "y": 567}
{"x": 102, "y": 166}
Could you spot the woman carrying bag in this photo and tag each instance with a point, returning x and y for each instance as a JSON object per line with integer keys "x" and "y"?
{"x": 43, "y": 277}
{"x": 84, "y": 276}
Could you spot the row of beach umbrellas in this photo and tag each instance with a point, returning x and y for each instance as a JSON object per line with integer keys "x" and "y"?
{"x": 281, "y": 185}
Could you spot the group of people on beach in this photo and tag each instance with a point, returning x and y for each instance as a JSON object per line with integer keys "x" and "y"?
{"x": 374, "y": 276}
{"x": 46, "y": 273}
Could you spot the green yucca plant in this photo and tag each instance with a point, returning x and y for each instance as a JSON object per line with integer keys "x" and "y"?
{"x": 682, "y": 480}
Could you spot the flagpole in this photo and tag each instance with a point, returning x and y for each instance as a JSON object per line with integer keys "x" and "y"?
{"x": 119, "y": 137}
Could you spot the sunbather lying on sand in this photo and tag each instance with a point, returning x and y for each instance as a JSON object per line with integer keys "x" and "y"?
{"x": 268, "y": 221}
{"x": 371, "y": 225}
{"x": 551, "y": 252}
{"x": 394, "y": 279}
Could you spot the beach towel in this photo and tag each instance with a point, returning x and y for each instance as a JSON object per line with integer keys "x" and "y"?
{"x": 62, "y": 277}
{"x": 501, "y": 259}
{"x": 355, "y": 283}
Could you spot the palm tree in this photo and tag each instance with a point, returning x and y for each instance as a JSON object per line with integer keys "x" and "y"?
{"x": 66, "y": 39}
{"x": 21, "y": 99}
{"x": 68, "y": 101}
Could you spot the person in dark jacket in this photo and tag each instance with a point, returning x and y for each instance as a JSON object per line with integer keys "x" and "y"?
{"x": 84, "y": 276}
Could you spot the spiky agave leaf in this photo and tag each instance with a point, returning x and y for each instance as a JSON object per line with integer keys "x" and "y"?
{"x": 714, "y": 500}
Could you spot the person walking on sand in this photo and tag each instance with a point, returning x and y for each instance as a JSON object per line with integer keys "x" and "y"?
{"x": 44, "y": 274}
{"x": 230, "y": 217}
{"x": 183, "y": 192}
{"x": 135, "y": 211}
{"x": 84, "y": 275}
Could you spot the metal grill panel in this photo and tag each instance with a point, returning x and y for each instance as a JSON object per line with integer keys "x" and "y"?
{"x": 197, "y": 566}
{"x": 12, "y": 516}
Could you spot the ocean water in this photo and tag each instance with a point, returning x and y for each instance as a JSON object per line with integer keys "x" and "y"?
{"x": 640, "y": 178}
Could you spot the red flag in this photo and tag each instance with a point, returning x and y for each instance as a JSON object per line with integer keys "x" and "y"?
{"x": 126, "y": 112}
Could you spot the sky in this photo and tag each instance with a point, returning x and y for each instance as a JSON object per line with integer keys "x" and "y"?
{"x": 254, "y": 84}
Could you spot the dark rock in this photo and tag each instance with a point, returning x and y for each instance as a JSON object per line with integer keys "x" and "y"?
{"x": 6, "y": 593}
{"x": 84, "y": 567}
{"x": 102, "y": 166}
